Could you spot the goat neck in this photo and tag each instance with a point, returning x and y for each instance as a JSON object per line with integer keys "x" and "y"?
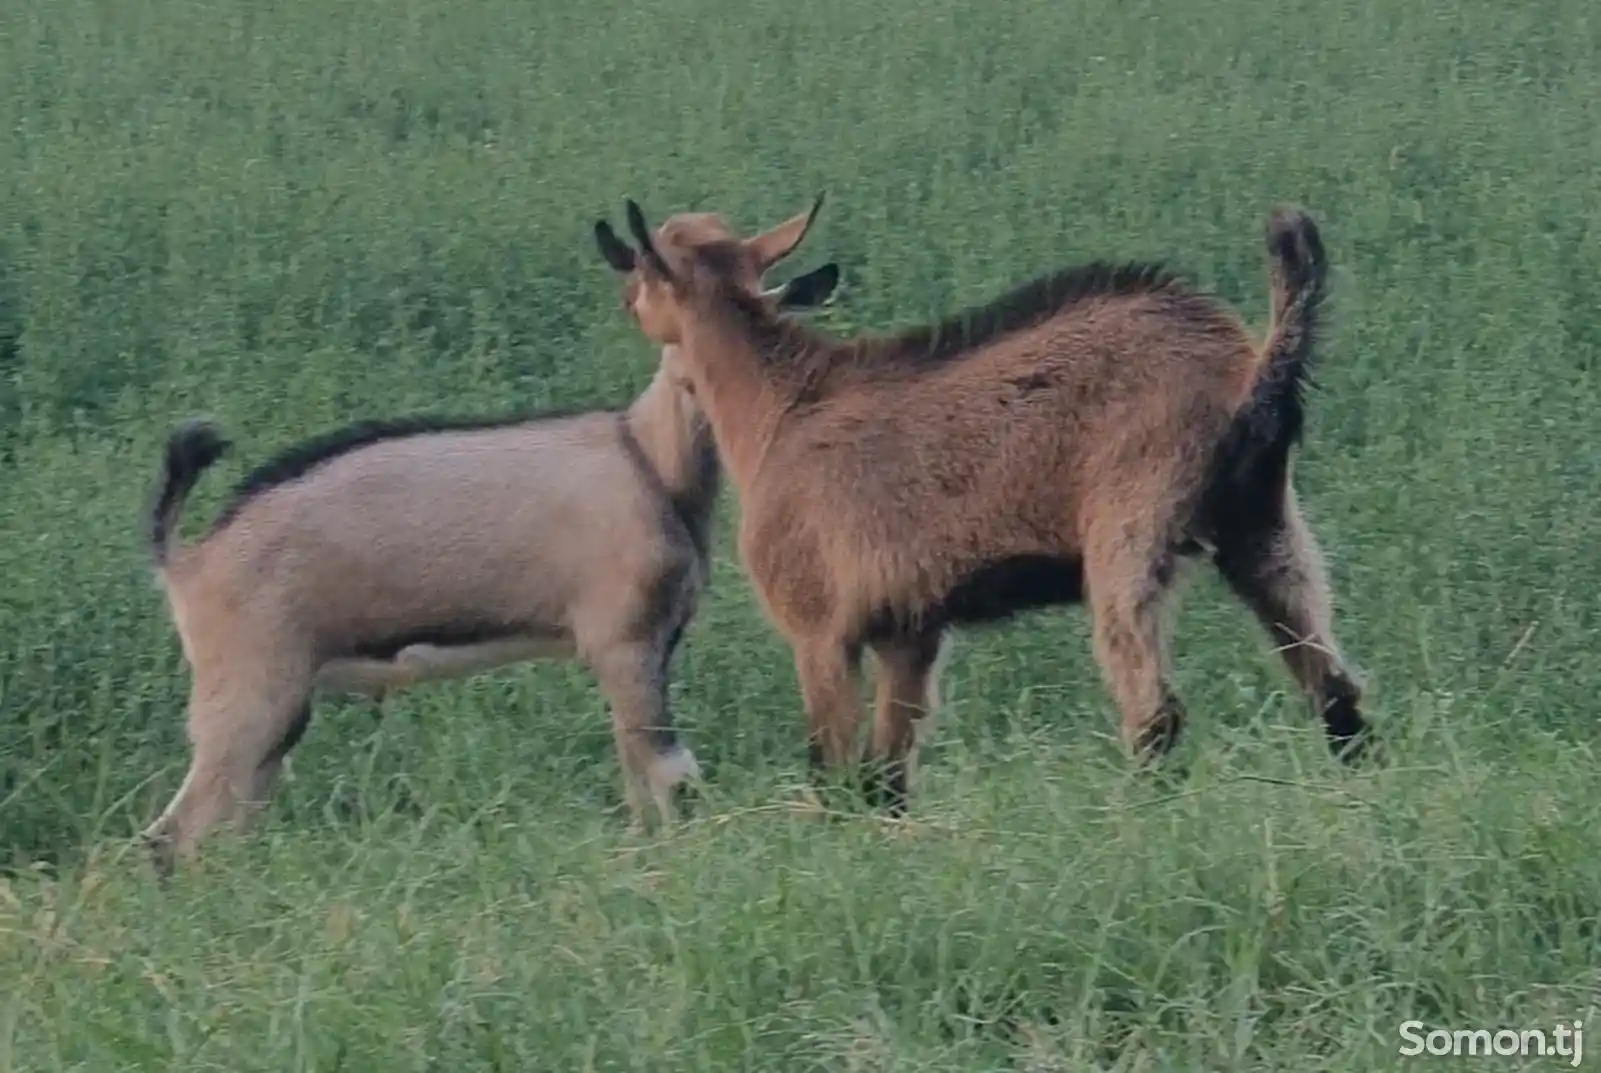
{"x": 748, "y": 368}
{"x": 676, "y": 439}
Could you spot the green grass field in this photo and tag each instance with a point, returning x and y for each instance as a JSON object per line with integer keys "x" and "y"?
{"x": 289, "y": 216}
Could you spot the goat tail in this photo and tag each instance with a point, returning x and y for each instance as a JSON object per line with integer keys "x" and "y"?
{"x": 1274, "y": 414}
{"x": 191, "y": 449}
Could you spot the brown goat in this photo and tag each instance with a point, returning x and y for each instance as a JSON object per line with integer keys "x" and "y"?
{"x": 1073, "y": 440}
{"x": 391, "y": 553}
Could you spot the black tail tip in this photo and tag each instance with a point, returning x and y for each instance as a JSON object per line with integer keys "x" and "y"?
{"x": 1293, "y": 240}
{"x": 194, "y": 445}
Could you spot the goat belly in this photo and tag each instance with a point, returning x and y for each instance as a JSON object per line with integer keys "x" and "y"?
{"x": 1008, "y": 586}
{"x": 387, "y": 667}
{"x": 441, "y": 635}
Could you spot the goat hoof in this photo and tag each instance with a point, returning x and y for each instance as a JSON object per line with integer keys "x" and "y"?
{"x": 686, "y": 799}
{"x": 1160, "y": 734}
{"x": 1360, "y": 747}
{"x": 160, "y": 852}
{"x": 884, "y": 787}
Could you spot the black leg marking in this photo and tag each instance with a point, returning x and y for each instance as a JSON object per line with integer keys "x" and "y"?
{"x": 884, "y": 784}
{"x": 292, "y": 736}
{"x": 814, "y": 758}
{"x": 1350, "y": 736}
{"x": 1162, "y": 734}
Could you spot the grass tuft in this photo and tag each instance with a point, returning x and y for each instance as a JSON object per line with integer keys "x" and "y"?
{"x": 296, "y": 215}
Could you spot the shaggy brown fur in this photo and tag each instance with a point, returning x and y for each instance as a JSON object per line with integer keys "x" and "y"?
{"x": 392, "y": 553}
{"x": 1071, "y": 440}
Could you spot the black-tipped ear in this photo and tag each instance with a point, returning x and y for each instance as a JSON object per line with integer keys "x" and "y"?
{"x": 618, "y": 254}
{"x": 810, "y": 289}
{"x": 636, "y": 224}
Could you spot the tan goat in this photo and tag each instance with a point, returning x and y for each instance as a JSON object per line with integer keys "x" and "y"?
{"x": 391, "y": 553}
{"x": 1072, "y": 440}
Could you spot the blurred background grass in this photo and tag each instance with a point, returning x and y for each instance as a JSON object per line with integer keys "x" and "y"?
{"x": 293, "y": 216}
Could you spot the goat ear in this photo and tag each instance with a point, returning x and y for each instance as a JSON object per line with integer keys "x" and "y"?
{"x": 647, "y": 245}
{"x": 618, "y": 253}
{"x": 808, "y": 290}
{"x": 772, "y": 246}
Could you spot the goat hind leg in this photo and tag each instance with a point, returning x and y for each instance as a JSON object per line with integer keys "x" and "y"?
{"x": 1278, "y": 571}
{"x": 239, "y": 751}
{"x": 1129, "y": 583}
